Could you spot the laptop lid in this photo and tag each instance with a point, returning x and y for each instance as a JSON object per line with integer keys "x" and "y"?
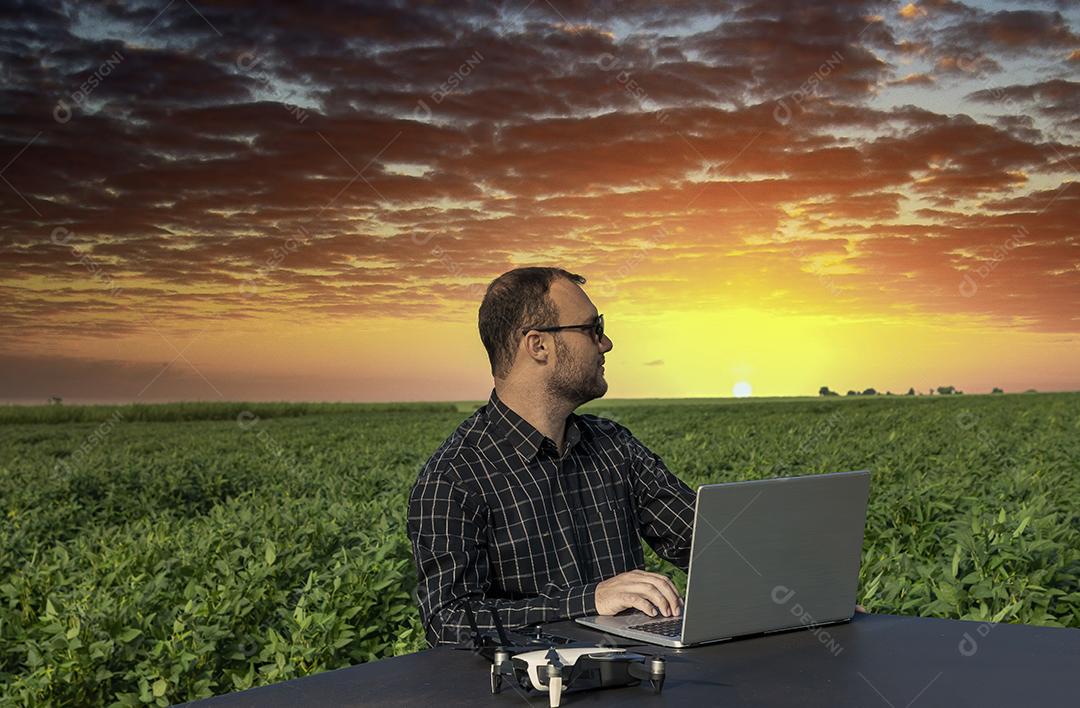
{"x": 775, "y": 554}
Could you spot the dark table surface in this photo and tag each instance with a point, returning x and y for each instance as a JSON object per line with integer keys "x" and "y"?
{"x": 880, "y": 661}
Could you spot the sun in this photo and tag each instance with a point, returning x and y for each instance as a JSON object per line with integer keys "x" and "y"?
{"x": 741, "y": 390}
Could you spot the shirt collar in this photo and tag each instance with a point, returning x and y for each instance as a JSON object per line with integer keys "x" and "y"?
{"x": 525, "y": 439}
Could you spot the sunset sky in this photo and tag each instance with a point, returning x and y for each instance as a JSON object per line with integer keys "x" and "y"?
{"x": 266, "y": 201}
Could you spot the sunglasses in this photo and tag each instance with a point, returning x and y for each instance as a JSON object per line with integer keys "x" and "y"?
{"x": 597, "y": 328}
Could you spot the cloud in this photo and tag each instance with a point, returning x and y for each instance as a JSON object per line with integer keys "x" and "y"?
{"x": 967, "y": 42}
{"x": 1013, "y": 31}
{"x": 914, "y": 80}
{"x": 1057, "y": 99}
{"x": 346, "y": 162}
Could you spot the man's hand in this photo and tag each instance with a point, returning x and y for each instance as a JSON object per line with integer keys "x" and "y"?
{"x": 648, "y": 592}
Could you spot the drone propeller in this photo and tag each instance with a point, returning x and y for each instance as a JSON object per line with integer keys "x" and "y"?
{"x": 499, "y": 628}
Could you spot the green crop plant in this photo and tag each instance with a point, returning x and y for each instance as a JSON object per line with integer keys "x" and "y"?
{"x": 181, "y": 551}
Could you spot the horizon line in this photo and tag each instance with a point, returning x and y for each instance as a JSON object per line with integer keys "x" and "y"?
{"x": 459, "y": 401}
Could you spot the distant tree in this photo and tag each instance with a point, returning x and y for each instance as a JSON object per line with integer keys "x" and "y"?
{"x": 946, "y": 390}
{"x": 910, "y": 391}
{"x": 824, "y": 391}
{"x": 997, "y": 390}
{"x": 869, "y": 392}
{"x": 1031, "y": 390}
{"x": 852, "y": 393}
{"x": 888, "y": 393}
{"x": 55, "y": 400}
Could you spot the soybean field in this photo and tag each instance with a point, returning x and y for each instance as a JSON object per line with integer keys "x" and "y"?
{"x": 151, "y": 555}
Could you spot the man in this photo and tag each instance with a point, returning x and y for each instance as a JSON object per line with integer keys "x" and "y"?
{"x": 529, "y": 511}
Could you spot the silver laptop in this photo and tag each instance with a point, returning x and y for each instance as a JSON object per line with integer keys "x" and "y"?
{"x": 767, "y": 555}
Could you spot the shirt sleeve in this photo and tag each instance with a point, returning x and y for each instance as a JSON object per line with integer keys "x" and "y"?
{"x": 448, "y": 530}
{"x": 665, "y": 505}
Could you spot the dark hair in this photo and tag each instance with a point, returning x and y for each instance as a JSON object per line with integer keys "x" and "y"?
{"x": 515, "y": 300}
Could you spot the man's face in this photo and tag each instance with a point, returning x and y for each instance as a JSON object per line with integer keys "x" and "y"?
{"x": 578, "y": 373}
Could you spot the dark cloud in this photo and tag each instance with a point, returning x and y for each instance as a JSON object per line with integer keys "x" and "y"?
{"x": 966, "y": 42}
{"x": 243, "y": 160}
{"x": 1013, "y": 31}
{"x": 1058, "y": 99}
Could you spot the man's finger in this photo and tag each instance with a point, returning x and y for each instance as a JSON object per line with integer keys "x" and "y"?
{"x": 631, "y": 599}
{"x": 653, "y": 595}
{"x": 664, "y": 585}
{"x": 662, "y": 578}
{"x": 667, "y": 589}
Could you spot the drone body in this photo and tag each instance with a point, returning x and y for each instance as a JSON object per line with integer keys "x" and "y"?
{"x": 557, "y": 670}
{"x": 573, "y": 665}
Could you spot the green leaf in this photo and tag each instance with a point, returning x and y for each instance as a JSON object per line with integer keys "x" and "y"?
{"x": 159, "y": 687}
{"x": 129, "y": 635}
{"x": 1005, "y": 612}
{"x": 270, "y": 554}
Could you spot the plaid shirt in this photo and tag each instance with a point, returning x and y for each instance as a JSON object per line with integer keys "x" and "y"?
{"x": 497, "y": 516}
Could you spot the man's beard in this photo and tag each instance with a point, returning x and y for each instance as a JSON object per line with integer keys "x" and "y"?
{"x": 574, "y": 381}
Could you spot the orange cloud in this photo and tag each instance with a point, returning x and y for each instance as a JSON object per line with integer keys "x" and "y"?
{"x": 382, "y": 167}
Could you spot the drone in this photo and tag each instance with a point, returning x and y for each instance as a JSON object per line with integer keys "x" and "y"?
{"x": 535, "y": 663}
{"x": 557, "y": 670}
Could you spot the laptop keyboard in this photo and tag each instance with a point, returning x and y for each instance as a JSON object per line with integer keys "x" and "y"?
{"x": 665, "y": 628}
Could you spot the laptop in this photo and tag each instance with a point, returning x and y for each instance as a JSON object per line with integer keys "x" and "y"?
{"x": 766, "y": 556}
